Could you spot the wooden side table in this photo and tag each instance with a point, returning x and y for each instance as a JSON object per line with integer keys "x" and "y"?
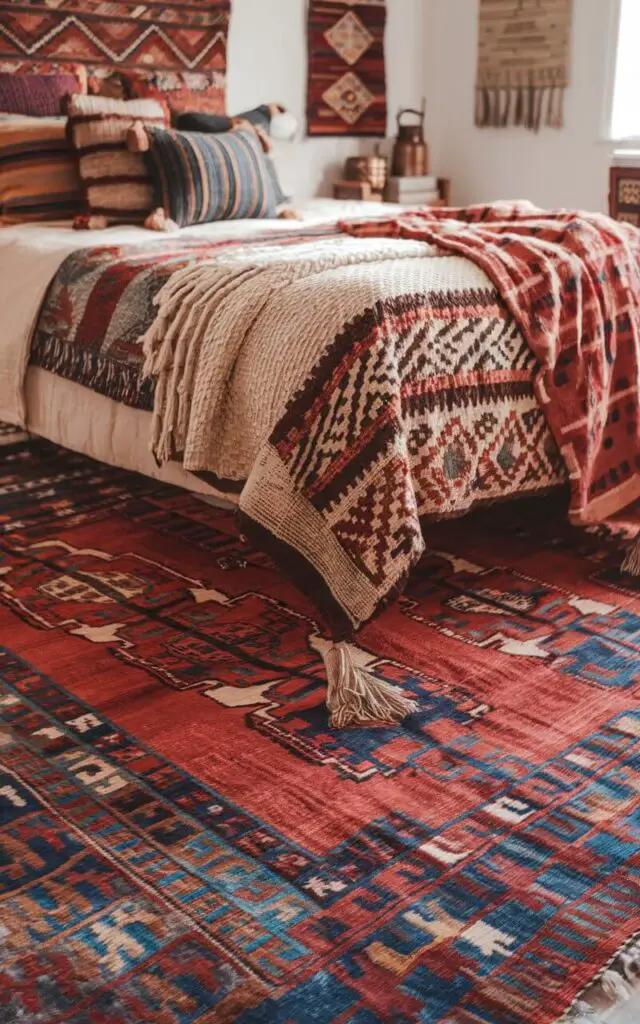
{"x": 624, "y": 194}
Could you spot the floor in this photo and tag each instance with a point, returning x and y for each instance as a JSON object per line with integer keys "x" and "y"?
{"x": 191, "y": 842}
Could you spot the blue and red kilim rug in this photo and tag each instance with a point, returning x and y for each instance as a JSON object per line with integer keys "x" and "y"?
{"x": 185, "y": 841}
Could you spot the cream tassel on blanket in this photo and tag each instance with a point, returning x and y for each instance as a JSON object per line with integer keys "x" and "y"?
{"x": 355, "y": 696}
{"x": 631, "y": 562}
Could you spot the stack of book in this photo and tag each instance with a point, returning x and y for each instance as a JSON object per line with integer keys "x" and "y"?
{"x": 421, "y": 190}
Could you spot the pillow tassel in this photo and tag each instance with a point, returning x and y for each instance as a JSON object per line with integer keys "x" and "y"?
{"x": 137, "y": 138}
{"x": 157, "y": 220}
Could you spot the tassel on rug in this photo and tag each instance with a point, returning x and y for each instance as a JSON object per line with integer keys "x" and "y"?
{"x": 355, "y": 696}
{"x": 631, "y": 563}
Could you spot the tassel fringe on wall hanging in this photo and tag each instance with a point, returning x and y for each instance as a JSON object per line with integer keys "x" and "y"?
{"x": 523, "y": 63}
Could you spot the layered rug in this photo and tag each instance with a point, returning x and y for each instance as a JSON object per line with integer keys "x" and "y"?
{"x": 185, "y": 840}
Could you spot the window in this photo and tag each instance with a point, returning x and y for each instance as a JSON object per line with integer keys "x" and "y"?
{"x": 625, "y": 121}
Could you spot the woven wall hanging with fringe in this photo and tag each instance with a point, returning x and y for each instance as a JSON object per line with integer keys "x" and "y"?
{"x": 523, "y": 62}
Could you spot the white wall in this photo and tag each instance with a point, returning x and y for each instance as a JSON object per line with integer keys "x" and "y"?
{"x": 566, "y": 167}
{"x": 267, "y": 62}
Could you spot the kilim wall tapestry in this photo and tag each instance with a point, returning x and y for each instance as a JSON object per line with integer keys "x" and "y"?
{"x": 183, "y": 840}
{"x": 346, "y": 85}
{"x": 175, "y": 40}
{"x": 523, "y": 62}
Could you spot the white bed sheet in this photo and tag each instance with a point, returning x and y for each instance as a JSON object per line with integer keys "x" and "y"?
{"x": 68, "y": 413}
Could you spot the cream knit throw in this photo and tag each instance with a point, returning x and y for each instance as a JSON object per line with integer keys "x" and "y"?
{"x": 205, "y": 314}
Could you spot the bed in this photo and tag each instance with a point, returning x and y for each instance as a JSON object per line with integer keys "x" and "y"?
{"x": 82, "y": 418}
{"x": 342, "y": 374}
{"x": 95, "y": 416}
{"x": 341, "y": 381}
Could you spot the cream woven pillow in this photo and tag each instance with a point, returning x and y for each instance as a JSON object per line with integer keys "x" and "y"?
{"x": 117, "y": 188}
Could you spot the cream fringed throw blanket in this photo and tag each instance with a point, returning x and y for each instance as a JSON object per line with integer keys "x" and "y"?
{"x": 206, "y": 314}
{"x": 523, "y": 62}
{"x": 393, "y": 388}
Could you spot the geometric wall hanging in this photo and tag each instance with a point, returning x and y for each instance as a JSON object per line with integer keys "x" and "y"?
{"x": 346, "y": 92}
{"x": 523, "y": 62}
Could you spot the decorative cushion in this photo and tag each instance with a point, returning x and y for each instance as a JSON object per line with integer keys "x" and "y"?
{"x": 35, "y": 95}
{"x": 200, "y": 178}
{"x": 181, "y": 91}
{"x": 260, "y": 117}
{"x": 38, "y": 176}
{"x": 15, "y": 66}
{"x": 200, "y": 121}
{"x": 117, "y": 186}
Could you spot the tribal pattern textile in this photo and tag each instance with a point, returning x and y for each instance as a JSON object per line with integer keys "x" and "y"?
{"x": 348, "y": 455}
{"x": 346, "y": 72}
{"x": 183, "y": 839}
{"x": 572, "y": 284}
{"x": 523, "y": 62}
{"x": 101, "y": 302}
{"x": 186, "y": 40}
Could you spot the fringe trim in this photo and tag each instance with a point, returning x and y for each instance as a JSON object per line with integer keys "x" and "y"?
{"x": 602, "y": 975}
{"x": 356, "y": 697}
{"x": 110, "y": 377}
{"x": 525, "y": 106}
{"x": 631, "y": 563}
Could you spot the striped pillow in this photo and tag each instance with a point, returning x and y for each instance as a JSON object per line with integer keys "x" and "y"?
{"x": 116, "y": 182}
{"x": 200, "y": 178}
{"x": 38, "y": 176}
{"x": 261, "y": 117}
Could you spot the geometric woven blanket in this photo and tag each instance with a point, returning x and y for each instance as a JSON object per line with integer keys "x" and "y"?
{"x": 183, "y": 840}
{"x": 341, "y": 482}
{"x": 572, "y": 283}
{"x": 402, "y": 400}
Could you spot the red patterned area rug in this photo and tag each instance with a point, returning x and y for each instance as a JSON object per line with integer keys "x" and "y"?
{"x": 185, "y": 840}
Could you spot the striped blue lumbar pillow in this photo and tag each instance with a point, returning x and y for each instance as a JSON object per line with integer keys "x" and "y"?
{"x": 200, "y": 178}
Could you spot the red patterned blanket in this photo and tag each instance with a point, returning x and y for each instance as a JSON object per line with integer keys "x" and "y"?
{"x": 572, "y": 283}
{"x": 338, "y": 491}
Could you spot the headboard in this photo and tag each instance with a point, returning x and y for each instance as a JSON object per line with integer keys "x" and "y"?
{"x": 180, "y": 44}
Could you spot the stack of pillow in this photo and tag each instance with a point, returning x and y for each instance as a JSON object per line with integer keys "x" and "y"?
{"x": 103, "y": 159}
{"x": 38, "y": 176}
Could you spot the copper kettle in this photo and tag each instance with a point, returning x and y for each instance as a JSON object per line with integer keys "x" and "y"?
{"x": 410, "y": 151}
